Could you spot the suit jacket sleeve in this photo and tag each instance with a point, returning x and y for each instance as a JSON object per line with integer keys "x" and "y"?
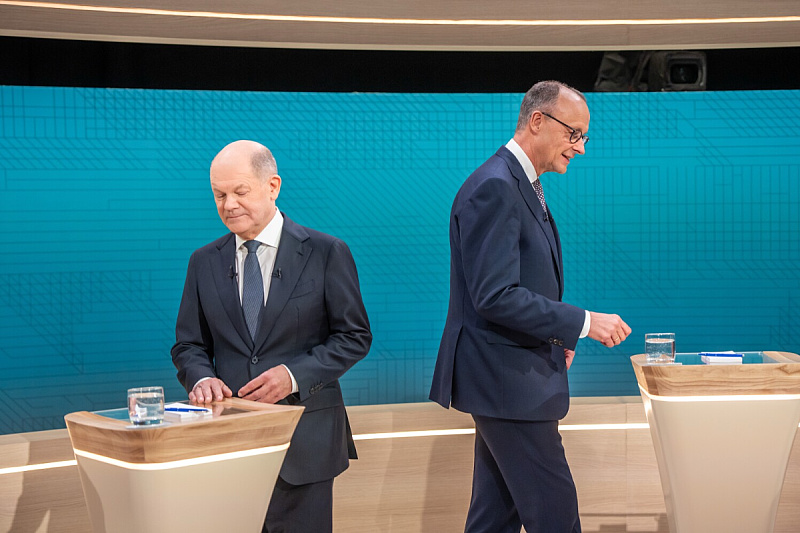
{"x": 349, "y": 335}
{"x": 193, "y": 351}
{"x": 489, "y": 228}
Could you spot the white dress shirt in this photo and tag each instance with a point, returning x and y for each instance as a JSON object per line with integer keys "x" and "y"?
{"x": 270, "y": 239}
{"x": 530, "y": 172}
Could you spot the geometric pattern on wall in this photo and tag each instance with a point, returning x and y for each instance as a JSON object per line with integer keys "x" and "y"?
{"x": 684, "y": 215}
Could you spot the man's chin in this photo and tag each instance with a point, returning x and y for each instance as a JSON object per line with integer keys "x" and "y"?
{"x": 235, "y": 227}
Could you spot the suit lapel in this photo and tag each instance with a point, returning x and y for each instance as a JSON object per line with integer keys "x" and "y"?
{"x": 529, "y": 195}
{"x": 228, "y": 287}
{"x": 560, "y": 257}
{"x": 293, "y": 254}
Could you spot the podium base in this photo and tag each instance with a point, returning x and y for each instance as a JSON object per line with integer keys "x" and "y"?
{"x": 226, "y": 492}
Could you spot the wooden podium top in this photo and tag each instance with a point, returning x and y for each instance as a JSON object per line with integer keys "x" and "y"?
{"x": 779, "y": 373}
{"x": 236, "y": 425}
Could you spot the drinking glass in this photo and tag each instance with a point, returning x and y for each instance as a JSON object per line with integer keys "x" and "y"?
{"x": 146, "y": 405}
{"x": 660, "y": 347}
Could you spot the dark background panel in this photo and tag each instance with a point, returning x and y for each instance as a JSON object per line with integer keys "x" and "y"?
{"x": 52, "y": 62}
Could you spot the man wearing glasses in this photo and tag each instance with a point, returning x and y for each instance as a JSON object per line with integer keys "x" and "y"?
{"x": 509, "y": 339}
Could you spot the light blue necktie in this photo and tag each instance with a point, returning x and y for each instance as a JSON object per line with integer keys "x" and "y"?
{"x": 253, "y": 288}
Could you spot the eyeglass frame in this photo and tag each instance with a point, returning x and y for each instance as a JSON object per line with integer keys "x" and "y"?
{"x": 572, "y": 130}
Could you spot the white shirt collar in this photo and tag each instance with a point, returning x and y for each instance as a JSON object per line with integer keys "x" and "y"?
{"x": 523, "y": 159}
{"x": 270, "y": 235}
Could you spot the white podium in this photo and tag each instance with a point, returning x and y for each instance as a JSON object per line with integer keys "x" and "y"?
{"x": 722, "y": 436}
{"x": 210, "y": 474}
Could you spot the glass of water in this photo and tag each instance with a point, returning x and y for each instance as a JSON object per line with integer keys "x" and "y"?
{"x": 660, "y": 347}
{"x": 146, "y": 405}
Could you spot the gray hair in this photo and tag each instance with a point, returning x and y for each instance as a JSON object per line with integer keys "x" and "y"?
{"x": 263, "y": 163}
{"x": 542, "y": 96}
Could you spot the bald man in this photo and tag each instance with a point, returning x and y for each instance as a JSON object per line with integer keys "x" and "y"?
{"x": 508, "y": 339}
{"x": 272, "y": 312}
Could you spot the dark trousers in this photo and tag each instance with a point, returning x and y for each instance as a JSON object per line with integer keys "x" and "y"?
{"x": 300, "y": 508}
{"x": 521, "y": 477}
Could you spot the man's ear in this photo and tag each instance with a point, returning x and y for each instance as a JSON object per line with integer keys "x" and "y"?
{"x": 535, "y": 123}
{"x": 274, "y": 187}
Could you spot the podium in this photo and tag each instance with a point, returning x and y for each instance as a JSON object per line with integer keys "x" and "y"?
{"x": 210, "y": 474}
{"x": 722, "y": 436}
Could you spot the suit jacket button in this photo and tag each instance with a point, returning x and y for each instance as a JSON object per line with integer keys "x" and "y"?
{"x": 254, "y": 360}
{"x": 550, "y": 340}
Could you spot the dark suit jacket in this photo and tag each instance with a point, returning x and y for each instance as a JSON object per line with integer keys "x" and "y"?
{"x": 502, "y": 350}
{"x": 314, "y": 323}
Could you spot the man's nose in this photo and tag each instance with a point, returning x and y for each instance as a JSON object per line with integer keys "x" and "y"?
{"x": 580, "y": 146}
{"x": 230, "y": 203}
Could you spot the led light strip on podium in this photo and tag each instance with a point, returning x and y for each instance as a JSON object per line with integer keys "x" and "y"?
{"x": 722, "y": 436}
{"x": 210, "y": 474}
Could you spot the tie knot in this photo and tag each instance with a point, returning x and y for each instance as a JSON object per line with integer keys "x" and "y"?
{"x": 252, "y": 246}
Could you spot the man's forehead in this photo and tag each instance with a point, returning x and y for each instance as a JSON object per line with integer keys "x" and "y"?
{"x": 231, "y": 181}
{"x": 573, "y": 109}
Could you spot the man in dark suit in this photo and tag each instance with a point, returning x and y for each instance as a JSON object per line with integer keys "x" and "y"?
{"x": 273, "y": 311}
{"x": 509, "y": 339}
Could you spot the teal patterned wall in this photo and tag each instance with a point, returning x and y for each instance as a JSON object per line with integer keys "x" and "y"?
{"x": 683, "y": 216}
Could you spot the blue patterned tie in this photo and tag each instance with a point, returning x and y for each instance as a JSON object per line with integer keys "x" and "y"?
{"x": 253, "y": 288}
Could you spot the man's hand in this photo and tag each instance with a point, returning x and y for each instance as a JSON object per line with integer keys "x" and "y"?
{"x": 610, "y": 330}
{"x": 270, "y": 387}
{"x": 209, "y": 390}
{"x": 569, "y": 355}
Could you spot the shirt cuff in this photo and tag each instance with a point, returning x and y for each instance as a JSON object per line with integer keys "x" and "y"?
{"x": 587, "y": 324}
{"x": 295, "y": 388}
{"x": 199, "y": 380}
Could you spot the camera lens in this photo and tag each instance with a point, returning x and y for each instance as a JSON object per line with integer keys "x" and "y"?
{"x": 684, "y": 73}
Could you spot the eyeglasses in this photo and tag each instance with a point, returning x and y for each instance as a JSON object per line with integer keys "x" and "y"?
{"x": 574, "y": 135}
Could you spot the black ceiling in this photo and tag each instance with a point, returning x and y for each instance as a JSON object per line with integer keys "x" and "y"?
{"x": 52, "y": 62}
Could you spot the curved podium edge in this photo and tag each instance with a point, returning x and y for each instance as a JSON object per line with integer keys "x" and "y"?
{"x": 254, "y": 425}
{"x": 780, "y": 377}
